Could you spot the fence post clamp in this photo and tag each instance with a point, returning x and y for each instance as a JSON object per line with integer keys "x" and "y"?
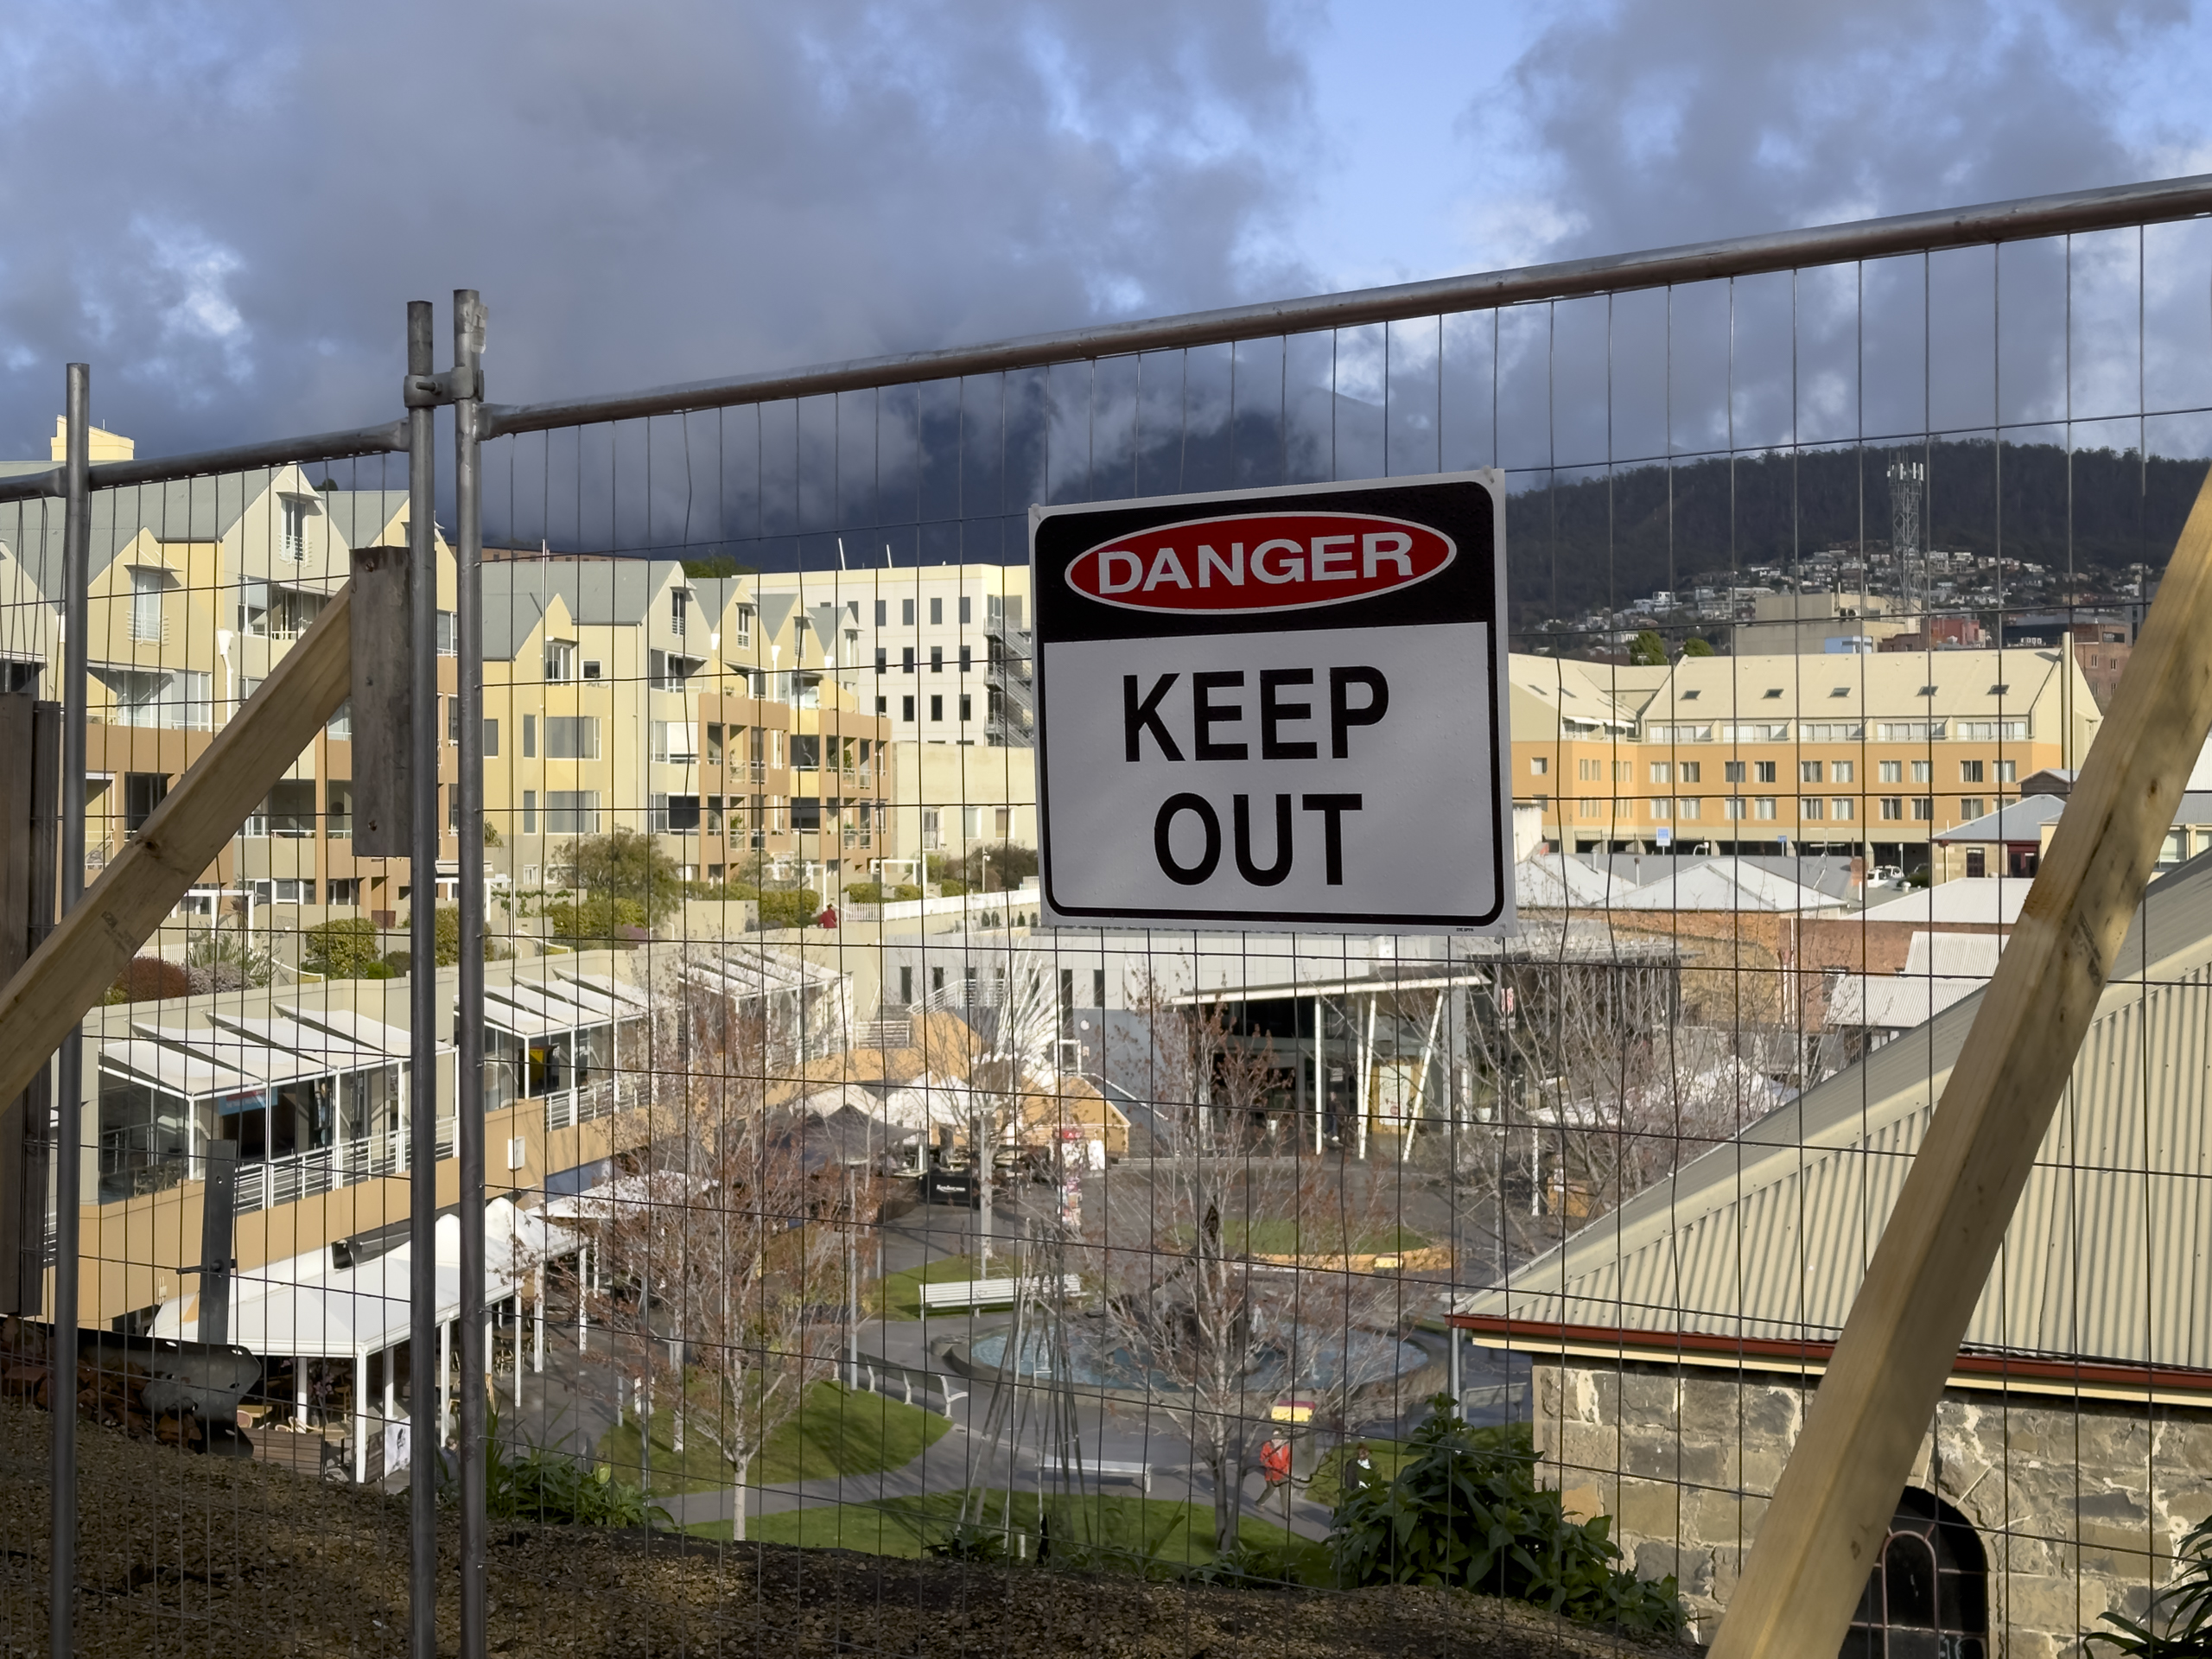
{"x": 459, "y": 384}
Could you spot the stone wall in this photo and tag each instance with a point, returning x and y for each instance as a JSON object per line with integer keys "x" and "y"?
{"x": 2078, "y": 1507}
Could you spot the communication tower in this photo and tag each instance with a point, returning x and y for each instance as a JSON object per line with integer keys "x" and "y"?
{"x": 1908, "y": 486}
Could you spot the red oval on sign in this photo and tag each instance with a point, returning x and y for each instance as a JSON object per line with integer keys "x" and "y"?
{"x": 1260, "y": 561}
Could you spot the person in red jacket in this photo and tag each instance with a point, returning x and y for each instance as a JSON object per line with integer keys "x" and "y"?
{"x": 1274, "y": 1460}
{"x": 828, "y": 917}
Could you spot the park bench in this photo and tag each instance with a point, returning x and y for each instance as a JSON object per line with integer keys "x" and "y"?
{"x": 974, "y": 1293}
{"x": 1105, "y": 1469}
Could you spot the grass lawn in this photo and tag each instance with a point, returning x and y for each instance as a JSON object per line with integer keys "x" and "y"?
{"x": 898, "y": 1295}
{"x": 1163, "y": 1533}
{"x": 836, "y": 1431}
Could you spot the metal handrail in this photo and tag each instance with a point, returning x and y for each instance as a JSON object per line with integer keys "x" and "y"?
{"x": 1742, "y": 256}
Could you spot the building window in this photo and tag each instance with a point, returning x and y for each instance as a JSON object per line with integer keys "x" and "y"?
{"x": 141, "y": 792}
{"x": 295, "y": 547}
{"x": 906, "y": 659}
{"x": 1923, "y": 772}
{"x": 883, "y": 612}
{"x": 1540, "y": 766}
{"x": 1811, "y": 806}
{"x": 883, "y": 659}
{"x": 1892, "y": 772}
{"x": 1977, "y": 862}
{"x": 745, "y": 625}
{"x": 491, "y": 739}
{"x": 1970, "y": 771}
{"x": 679, "y": 611}
{"x": 1893, "y": 809}
{"x": 1660, "y": 806}
{"x": 1973, "y": 806}
{"x": 146, "y": 604}
{"x": 1930, "y": 1591}
{"x": 1841, "y": 772}
{"x": 1691, "y": 771}
{"x": 882, "y": 705}
{"x": 1732, "y": 771}
{"x": 530, "y": 737}
{"x": 1732, "y": 807}
{"x": 1587, "y": 770}
{"x": 906, "y": 613}
{"x": 937, "y": 709}
{"x": 591, "y": 668}
{"x": 1842, "y": 809}
{"x": 936, "y": 612}
{"x": 2008, "y": 772}
{"x": 1689, "y": 807}
{"x": 906, "y": 708}
{"x": 453, "y": 721}
{"x": 343, "y": 893}
{"x": 1809, "y": 771}
{"x": 560, "y": 661}
{"x": 1762, "y": 772}
{"x": 967, "y": 654}
{"x": 571, "y": 812}
{"x": 571, "y": 737}
{"x": 937, "y": 659}
{"x": 1924, "y": 810}
{"x": 530, "y": 812}
{"x": 446, "y": 638}
{"x": 1762, "y": 806}
{"x": 931, "y": 838}
{"x": 964, "y": 714}
{"x": 967, "y": 612}
{"x": 1662, "y": 771}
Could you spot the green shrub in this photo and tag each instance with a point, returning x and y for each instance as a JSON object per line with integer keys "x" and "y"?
{"x": 952, "y": 889}
{"x": 864, "y": 892}
{"x": 537, "y": 1483}
{"x": 149, "y": 979}
{"x": 905, "y": 892}
{"x": 1464, "y": 1510}
{"x": 788, "y": 909}
{"x": 345, "y": 948}
{"x": 2184, "y": 1607}
{"x": 592, "y": 920}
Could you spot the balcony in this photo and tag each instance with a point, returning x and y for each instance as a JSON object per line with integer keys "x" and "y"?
{"x": 326, "y": 1169}
{"x": 602, "y": 1098}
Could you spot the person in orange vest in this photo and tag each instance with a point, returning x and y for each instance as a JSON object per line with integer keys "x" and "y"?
{"x": 1274, "y": 1460}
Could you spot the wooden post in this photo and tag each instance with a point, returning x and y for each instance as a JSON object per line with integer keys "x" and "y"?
{"x": 1823, "y": 1532}
{"x": 68, "y": 973}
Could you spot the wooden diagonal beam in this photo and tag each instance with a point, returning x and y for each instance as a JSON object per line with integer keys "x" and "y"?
{"x": 68, "y": 975}
{"x": 1824, "y": 1530}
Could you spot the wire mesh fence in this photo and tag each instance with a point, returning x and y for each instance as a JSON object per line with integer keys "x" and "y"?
{"x": 829, "y": 1199}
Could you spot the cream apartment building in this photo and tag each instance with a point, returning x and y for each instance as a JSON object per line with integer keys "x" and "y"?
{"x": 1869, "y": 755}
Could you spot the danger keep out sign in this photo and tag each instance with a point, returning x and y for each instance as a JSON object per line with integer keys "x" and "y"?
{"x": 1276, "y": 709}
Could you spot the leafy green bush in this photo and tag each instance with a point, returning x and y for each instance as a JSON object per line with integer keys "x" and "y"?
{"x": 864, "y": 892}
{"x": 1464, "y": 1510}
{"x": 625, "y": 866}
{"x": 592, "y": 920}
{"x": 2184, "y": 1607}
{"x": 536, "y": 1484}
{"x": 905, "y": 892}
{"x": 788, "y": 909}
{"x": 345, "y": 948}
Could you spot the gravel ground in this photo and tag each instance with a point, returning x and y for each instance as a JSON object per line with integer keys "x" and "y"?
{"x": 194, "y": 1556}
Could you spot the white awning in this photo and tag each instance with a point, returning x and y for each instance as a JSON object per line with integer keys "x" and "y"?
{"x": 333, "y": 1051}
{"x": 192, "y": 1076}
{"x": 628, "y": 997}
{"x": 242, "y": 1054}
{"x": 362, "y": 1029}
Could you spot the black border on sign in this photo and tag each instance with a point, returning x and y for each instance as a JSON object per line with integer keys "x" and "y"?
{"x": 1179, "y": 508}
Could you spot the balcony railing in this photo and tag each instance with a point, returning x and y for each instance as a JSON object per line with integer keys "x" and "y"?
{"x": 326, "y": 1169}
{"x": 602, "y": 1098}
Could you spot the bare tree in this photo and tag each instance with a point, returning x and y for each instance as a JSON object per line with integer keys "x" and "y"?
{"x": 727, "y": 1246}
{"x": 1188, "y": 1292}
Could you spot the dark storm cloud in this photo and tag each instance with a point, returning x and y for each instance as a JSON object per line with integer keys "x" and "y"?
{"x": 223, "y": 208}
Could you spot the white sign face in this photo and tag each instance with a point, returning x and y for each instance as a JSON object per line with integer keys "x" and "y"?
{"x": 1276, "y": 709}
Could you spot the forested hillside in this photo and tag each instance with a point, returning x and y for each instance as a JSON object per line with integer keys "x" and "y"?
{"x": 1578, "y": 546}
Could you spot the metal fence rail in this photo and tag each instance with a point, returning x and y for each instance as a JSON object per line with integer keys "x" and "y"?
{"x": 708, "y": 1021}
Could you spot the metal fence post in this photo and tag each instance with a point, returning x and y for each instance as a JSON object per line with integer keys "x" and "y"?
{"x": 422, "y": 999}
{"x": 468, "y": 1036}
{"x": 68, "y": 1070}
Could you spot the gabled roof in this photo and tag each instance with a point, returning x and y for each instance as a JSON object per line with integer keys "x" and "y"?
{"x": 1727, "y": 884}
{"x": 1989, "y": 901}
{"x": 1767, "y": 1235}
{"x": 2016, "y": 821}
{"x": 1562, "y": 881}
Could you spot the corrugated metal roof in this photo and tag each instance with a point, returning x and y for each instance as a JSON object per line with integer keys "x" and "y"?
{"x": 1768, "y": 1236}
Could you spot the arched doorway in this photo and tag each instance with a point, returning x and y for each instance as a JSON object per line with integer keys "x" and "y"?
{"x": 1930, "y": 1597}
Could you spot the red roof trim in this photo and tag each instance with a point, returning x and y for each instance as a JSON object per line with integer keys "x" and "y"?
{"x": 1783, "y": 1354}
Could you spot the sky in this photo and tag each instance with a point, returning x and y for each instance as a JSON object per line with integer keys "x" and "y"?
{"x": 224, "y": 206}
